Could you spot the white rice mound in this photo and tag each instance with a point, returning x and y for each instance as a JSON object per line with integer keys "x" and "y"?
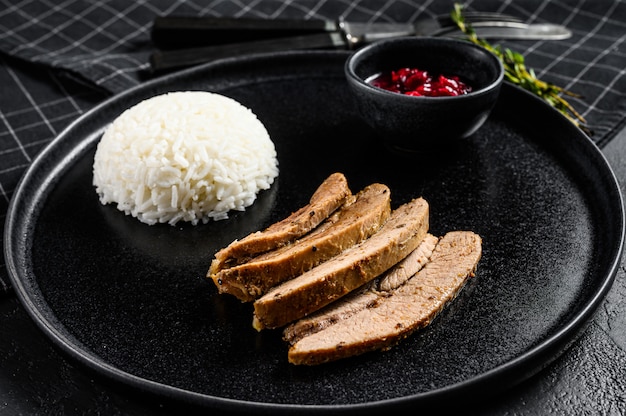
{"x": 184, "y": 156}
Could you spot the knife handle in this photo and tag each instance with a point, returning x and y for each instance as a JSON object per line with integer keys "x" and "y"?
{"x": 173, "y": 32}
{"x": 173, "y": 59}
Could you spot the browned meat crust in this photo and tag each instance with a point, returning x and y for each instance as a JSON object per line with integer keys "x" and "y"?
{"x": 406, "y": 228}
{"x": 364, "y": 297}
{"x": 328, "y": 197}
{"x": 348, "y": 226}
{"x": 397, "y": 315}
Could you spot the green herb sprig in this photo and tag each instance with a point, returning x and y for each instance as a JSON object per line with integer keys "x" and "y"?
{"x": 516, "y": 72}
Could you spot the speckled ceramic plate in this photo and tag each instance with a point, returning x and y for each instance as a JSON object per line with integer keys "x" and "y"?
{"x": 130, "y": 301}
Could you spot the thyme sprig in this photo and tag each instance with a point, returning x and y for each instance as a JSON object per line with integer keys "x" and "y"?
{"x": 516, "y": 72}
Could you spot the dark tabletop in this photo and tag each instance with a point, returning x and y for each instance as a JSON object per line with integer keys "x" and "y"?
{"x": 58, "y": 60}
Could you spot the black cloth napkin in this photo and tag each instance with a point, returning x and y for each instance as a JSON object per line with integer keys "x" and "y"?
{"x": 58, "y": 59}
{"x": 107, "y": 43}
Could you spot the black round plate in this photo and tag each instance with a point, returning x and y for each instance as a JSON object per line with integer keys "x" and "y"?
{"x": 130, "y": 301}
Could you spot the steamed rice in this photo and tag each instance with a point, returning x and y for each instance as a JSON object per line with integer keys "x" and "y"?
{"x": 184, "y": 156}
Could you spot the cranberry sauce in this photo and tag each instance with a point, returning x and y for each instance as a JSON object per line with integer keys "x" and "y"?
{"x": 413, "y": 81}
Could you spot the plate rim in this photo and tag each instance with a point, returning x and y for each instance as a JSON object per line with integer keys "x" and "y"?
{"x": 552, "y": 347}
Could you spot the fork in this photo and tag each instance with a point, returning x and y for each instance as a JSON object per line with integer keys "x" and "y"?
{"x": 358, "y": 34}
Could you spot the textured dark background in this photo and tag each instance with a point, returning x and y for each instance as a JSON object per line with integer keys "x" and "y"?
{"x": 59, "y": 59}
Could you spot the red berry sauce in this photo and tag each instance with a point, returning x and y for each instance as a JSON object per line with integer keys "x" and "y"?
{"x": 413, "y": 81}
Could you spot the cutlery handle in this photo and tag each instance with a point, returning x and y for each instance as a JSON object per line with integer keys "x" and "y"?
{"x": 172, "y": 32}
{"x": 173, "y": 59}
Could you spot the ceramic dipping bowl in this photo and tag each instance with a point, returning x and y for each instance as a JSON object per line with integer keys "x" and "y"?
{"x": 414, "y": 123}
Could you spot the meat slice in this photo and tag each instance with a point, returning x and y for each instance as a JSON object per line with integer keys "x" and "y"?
{"x": 328, "y": 197}
{"x": 348, "y": 226}
{"x": 365, "y": 297}
{"x": 401, "y": 234}
{"x": 404, "y": 270}
{"x": 396, "y": 316}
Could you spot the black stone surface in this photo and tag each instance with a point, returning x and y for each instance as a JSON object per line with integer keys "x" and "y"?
{"x": 117, "y": 293}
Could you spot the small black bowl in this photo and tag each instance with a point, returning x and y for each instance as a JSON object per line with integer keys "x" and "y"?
{"x": 420, "y": 122}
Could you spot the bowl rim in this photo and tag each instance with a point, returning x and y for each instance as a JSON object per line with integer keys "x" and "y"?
{"x": 349, "y": 68}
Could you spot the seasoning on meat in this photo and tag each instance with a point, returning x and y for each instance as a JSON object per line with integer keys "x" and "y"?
{"x": 398, "y": 314}
{"x": 348, "y": 226}
{"x": 402, "y": 233}
{"x": 328, "y": 197}
{"x": 364, "y": 297}
{"x": 346, "y": 274}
